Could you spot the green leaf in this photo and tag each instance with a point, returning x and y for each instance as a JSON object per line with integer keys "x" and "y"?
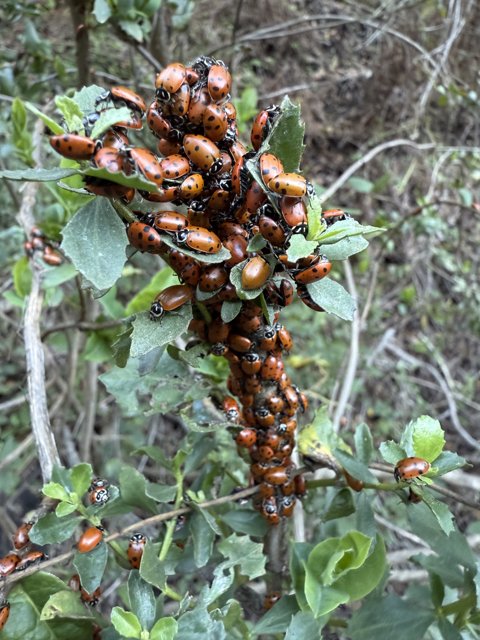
{"x": 91, "y": 566}
{"x": 108, "y": 119}
{"x": 142, "y": 599}
{"x": 245, "y": 554}
{"x": 246, "y": 521}
{"x": 151, "y": 569}
{"x": 148, "y": 334}
{"x": 164, "y": 629}
{"x": 52, "y": 530}
{"x": 363, "y": 443}
{"x": 95, "y": 241}
{"x": 221, "y": 583}
{"x": 344, "y": 229}
{"x": 126, "y": 623}
{"x": 298, "y": 562}
{"x": 278, "y": 618}
{"x": 360, "y": 184}
{"x": 37, "y": 175}
{"x": 361, "y": 581}
{"x": 285, "y": 139}
{"x": 64, "y": 509}
{"x": 344, "y": 248}
{"x": 81, "y": 477}
{"x": 58, "y": 275}
{"x": 56, "y": 491}
{"x": 144, "y": 298}
{"x": 198, "y": 625}
{"x": 71, "y": 112}
{"x": 340, "y": 505}
{"x": 448, "y": 461}
{"x": 302, "y": 626}
{"x": 390, "y": 617}
{"x": 161, "y": 492}
{"x": 65, "y": 604}
{"x": 392, "y": 452}
{"x": 28, "y": 598}
{"x": 102, "y": 11}
{"x": 428, "y": 438}
{"x": 333, "y": 298}
{"x": 314, "y": 216}
{"x": 203, "y": 537}
{"x": 54, "y": 127}
{"x": 222, "y": 256}
{"x": 299, "y": 247}
{"x": 257, "y": 243}
{"x": 22, "y": 276}
{"x": 230, "y": 310}
{"x": 133, "y": 487}
{"x": 354, "y": 467}
{"x": 441, "y": 512}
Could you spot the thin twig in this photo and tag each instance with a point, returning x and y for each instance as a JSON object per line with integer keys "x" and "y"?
{"x": 349, "y": 377}
{"x": 42, "y": 431}
{"x": 91, "y": 389}
{"x": 17, "y": 452}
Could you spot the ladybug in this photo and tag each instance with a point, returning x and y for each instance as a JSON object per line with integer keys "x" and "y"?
{"x": 237, "y": 150}
{"x": 157, "y": 123}
{"x": 90, "y": 598}
{"x": 136, "y": 545}
{"x": 4, "y": 613}
{"x": 171, "y": 221}
{"x": 410, "y": 468}
{"x": 287, "y": 505}
{"x": 180, "y": 101}
{"x": 255, "y": 273}
{"x": 108, "y": 158}
{"x": 271, "y": 231}
{"x": 272, "y": 368}
{"x": 123, "y": 95}
{"x": 198, "y": 103}
{"x": 98, "y": 483}
{"x": 266, "y": 338}
{"x": 218, "y": 331}
{"x": 215, "y": 122}
{"x": 294, "y": 213}
{"x": 252, "y": 384}
{"x": 300, "y": 486}
{"x": 260, "y": 129}
{"x": 254, "y": 197}
{"x": 168, "y": 147}
{"x": 89, "y": 539}
{"x": 115, "y": 139}
{"x": 219, "y": 200}
{"x": 109, "y": 189}
{"x": 284, "y": 338}
{"x": 246, "y": 437}
{"x": 269, "y": 511}
{"x": 170, "y": 299}
{"x": 413, "y": 497}
{"x": 241, "y": 178}
{"x": 270, "y": 167}
{"x": 29, "y": 559}
{"x": 144, "y": 237}
{"x": 199, "y": 239}
{"x": 270, "y": 599}
{"x": 191, "y": 187}
{"x": 275, "y": 404}
{"x": 277, "y": 476}
{"x": 289, "y": 184}
{"x": 307, "y": 299}
{"x": 191, "y": 75}
{"x": 147, "y": 163}
{"x": 169, "y": 80}
{"x": 251, "y": 363}
{"x": 280, "y": 294}
{"x": 174, "y": 167}
{"x": 190, "y": 274}
{"x": 219, "y": 82}
{"x": 239, "y": 343}
{"x": 203, "y": 153}
{"x": 98, "y": 496}
{"x": 266, "y": 490}
{"x": 52, "y": 256}
{"x": 330, "y": 216}
{"x": 8, "y": 564}
{"x": 231, "y": 409}
{"x": 318, "y": 270}
{"x": 265, "y": 453}
{"x": 353, "y": 483}
{"x": 213, "y": 277}
{"x": 161, "y": 195}
{"x": 135, "y": 122}
{"x": 271, "y": 438}
{"x": 237, "y": 245}
{"x": 21, "y": 537}
{"x": 264, "y": 418}
{"x": 74, "y": 146}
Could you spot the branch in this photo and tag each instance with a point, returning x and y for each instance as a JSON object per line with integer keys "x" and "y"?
{"x": 79, "y": 11}
{"x": 41, "y": 428}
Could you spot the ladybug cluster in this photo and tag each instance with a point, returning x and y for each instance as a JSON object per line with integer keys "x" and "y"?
{"x": 22, "y": 557}
{"x": 38, "y": 244}
{"x": 201, "y": 166}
